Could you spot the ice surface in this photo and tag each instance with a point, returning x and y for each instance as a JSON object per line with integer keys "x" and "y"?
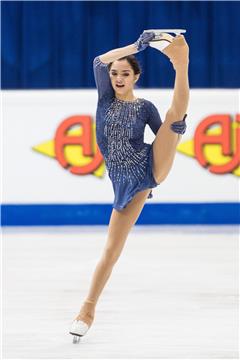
{"x": 172, "y": 293}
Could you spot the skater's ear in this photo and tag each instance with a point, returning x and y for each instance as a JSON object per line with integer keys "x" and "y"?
{"x": 136, "y": 77}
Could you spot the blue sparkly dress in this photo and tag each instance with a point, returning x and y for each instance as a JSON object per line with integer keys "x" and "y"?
{"x": 120, "y": 128}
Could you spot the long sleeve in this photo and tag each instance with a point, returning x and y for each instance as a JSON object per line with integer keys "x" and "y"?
{"x": 154, "y": 120}
{"x": 102, "y": 79}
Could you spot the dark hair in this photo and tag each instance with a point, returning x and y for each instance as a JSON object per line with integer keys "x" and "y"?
{"x": 132, "y": 62}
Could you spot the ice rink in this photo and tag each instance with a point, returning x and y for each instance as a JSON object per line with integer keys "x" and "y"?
{"x": 172, "y": 294}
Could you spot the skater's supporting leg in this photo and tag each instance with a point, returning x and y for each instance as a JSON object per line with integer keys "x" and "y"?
{"x": 120, "y": 225}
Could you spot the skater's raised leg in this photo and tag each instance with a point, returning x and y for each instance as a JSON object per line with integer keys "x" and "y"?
{"x": 164, "y": 148}
{"x": 166, "y": 141}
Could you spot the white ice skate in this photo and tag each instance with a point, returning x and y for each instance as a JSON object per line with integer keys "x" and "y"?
{"x": 163, "y": 38}
{"x": 78, "y": 329}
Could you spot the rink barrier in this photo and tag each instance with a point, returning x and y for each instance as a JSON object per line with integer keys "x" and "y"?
{"x": 99, "y": 214}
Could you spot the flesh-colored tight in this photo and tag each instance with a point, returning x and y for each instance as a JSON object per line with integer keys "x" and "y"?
{"x": 121, "y": 222}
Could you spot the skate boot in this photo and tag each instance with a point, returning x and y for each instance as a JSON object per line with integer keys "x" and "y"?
{"x": 83, "y": 322}
{"x": 161, "y": 41}
{"x": 163, "y": 38}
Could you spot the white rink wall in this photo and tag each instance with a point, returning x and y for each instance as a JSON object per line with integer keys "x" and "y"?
{"x": 33, "y": 175}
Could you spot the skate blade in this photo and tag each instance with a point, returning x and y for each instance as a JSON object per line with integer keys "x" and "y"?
{"x": 160, "y": 31}
{"x": 76, "y": 338}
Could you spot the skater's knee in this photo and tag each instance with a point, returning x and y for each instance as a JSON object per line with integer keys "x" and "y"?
{"x": 173, "y": 115}
{"x": 160, "y": 177}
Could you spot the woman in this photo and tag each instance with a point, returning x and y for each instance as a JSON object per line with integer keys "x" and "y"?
{"x": 133, "y": 166}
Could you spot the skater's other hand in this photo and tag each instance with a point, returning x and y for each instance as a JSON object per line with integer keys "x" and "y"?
{"x": 179, "y": 127}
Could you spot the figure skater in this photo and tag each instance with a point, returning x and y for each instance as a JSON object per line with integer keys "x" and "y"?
{"x": 134, "y": 167}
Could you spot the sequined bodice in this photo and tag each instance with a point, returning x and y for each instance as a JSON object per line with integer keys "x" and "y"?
{"x": 120, "y": 130}
{"x": 124, "y": 151}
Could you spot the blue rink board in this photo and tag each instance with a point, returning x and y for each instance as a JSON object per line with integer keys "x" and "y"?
{"x": 99, "y": 214}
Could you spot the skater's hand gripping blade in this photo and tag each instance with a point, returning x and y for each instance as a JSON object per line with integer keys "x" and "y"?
{"x": 78, "y": 328}
{"x": 162, "y": 37}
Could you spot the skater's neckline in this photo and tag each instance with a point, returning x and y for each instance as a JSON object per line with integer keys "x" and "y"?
{"x": 127, "y": 101}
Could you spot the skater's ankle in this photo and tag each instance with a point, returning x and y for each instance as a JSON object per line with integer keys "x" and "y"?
{"x": 89, "y": 305}
{"x": 86, "y": 315}
{"x": 90, "y": 301}
{"x": 88, "y": 308}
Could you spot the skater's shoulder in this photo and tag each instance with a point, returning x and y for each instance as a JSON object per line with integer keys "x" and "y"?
{"x": 147, "y": 101}
{"x": 150, "y": 104}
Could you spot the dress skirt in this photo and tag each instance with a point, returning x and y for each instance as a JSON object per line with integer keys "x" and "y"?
{"x": 124, "y": 191}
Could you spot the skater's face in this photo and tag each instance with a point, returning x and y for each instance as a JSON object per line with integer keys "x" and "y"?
{"x": 122, "y": 77}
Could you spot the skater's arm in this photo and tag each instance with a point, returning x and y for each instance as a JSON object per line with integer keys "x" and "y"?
{"x": 115, "y": 54}
{"x": 102, "y": 80}
{"x": 101, "y": 72}
{"x": 141, "y": 44}
{"x": 100, "y": 64}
